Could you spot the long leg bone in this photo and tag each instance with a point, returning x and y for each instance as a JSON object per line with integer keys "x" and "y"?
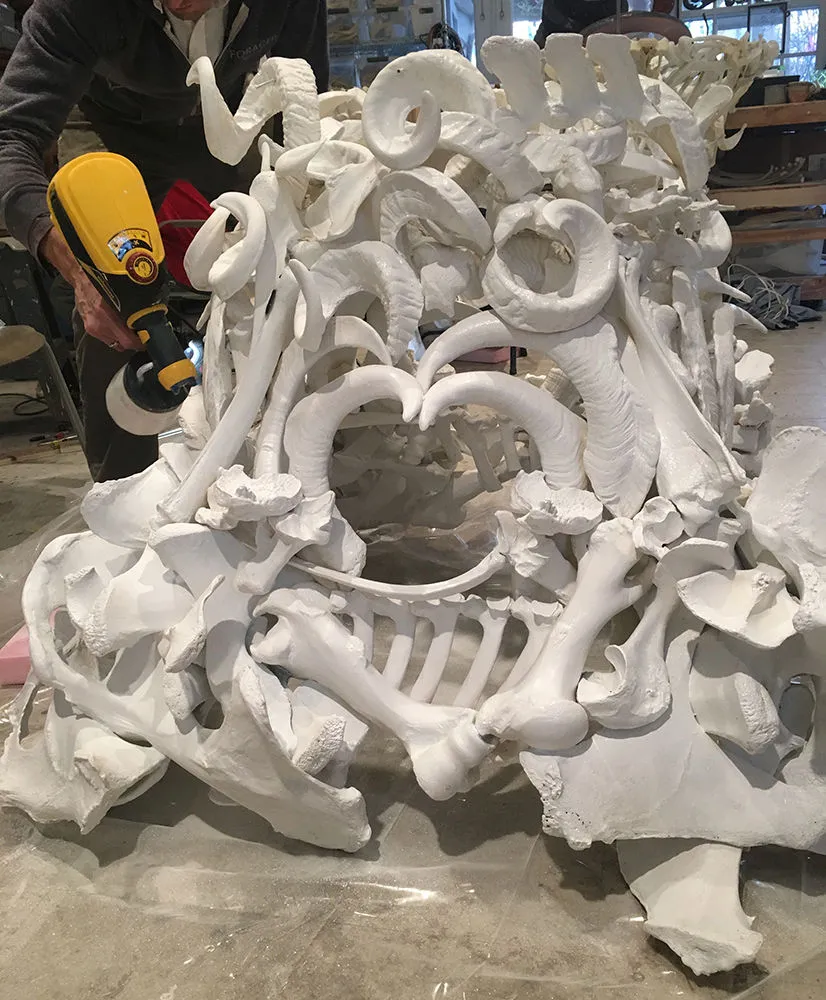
{"x": 443, "y": 745}
{"x": 541, "y": 711}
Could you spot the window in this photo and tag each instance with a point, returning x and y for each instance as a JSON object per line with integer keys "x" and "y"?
{"x": 798, "y": 54}
{"x": 527, "y": 16}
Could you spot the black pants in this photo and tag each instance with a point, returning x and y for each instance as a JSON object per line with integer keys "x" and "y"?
{"x": 163, "y": 154}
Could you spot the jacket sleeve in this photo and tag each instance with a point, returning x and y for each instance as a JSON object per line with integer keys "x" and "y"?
{"x": 49, "y": 71}
{"x": 305, "y": 37}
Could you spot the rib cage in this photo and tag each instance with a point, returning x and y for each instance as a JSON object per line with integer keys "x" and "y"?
{"x": 436, "y": 674}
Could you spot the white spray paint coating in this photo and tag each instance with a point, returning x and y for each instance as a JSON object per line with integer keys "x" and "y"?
{"x": 592, "y": 247}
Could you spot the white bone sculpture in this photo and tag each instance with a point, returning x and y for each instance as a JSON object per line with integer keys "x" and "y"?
{"x": 217, "y": 612}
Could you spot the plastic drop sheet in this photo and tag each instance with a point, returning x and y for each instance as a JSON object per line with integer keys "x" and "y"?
{"x": 181, "y": 895}
{"x": 177, "y": 896}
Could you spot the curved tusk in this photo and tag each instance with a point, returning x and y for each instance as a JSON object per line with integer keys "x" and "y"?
{"x": 221, "y": 449}
{"x": 557, "y": 432}
{"x": 280, "y": 85}
{"x": 425, "y": 193}
{"x": 269, "y": 151}
{"x": 595, "y": 263}
{"x": 312, "y": 328}
{"x": 480, "y": 140}
{"x": 312, "y": 425}
{"x": 378, "y": 269}
{"x": 342, "y": 331}
{"x": 235, "y": 266}
{"x": 427, "y": 80}
{"x": 293, "y": 162}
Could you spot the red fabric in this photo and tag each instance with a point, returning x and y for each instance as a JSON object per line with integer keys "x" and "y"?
{"x": 182, "y": 202}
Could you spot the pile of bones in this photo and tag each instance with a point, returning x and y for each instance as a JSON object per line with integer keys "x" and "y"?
{"x": 217, "y": 612}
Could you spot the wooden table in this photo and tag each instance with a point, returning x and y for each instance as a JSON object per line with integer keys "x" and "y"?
{"x": 777, "y": 115}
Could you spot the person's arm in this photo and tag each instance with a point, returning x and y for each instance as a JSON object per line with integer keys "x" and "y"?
{"x": 49, "y": 71}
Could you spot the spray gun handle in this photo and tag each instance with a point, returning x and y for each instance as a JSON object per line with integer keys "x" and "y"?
{"x": 173, "y": 369}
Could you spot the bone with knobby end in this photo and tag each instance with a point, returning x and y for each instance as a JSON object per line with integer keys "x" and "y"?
{"x": 541, "y": 711}
{"x": 442, "y": 742}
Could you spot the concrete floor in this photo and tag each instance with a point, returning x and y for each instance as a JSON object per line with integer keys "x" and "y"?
{"x": 174, "y": 897}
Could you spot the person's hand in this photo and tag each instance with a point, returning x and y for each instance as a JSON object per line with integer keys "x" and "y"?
{"x": 99, "y": 319}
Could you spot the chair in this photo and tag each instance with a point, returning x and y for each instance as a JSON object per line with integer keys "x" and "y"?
{"x": 640, "y": 23}
{"x": 24, "y": 343}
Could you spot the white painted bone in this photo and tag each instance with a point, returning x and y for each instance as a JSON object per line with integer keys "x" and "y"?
{"x": 286, "y": 85}
{"x": 360, "y": 221}
{"x": 594, "y": 261}
{"x": 696, "y": 472}
{"x": 691, "y": 894}
{"x": 430, "y": 81}
{"x": 541, "y": 711}
{"x": 518, "y": 65}
{"x": 443, "y": 744}
{"x": 328, "y": 817}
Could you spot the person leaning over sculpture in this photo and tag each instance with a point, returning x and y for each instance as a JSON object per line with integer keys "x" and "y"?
{"x": 562, "y": 16}
{"x": 124, "y": 64}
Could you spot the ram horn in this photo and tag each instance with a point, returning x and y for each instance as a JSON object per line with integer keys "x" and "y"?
{"x": 480, "y": 140}
{"x": 280, "y": 85}
{"x": 342, "y": 332}
{"x": 236, "y": 265}
{"x": 425, "y": 193}
{"x": 557, "y": 432}
{"x": 429, "y": 80}
{"x": 595, "y": 261}
{"x": 206, "y": 247}
{"x": 622, "y": 444}
{"x": 311, "y": 427}
{"x": 377, "y": 269}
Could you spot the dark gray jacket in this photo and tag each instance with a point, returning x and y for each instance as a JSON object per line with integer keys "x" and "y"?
{"x": 115, "y": 59}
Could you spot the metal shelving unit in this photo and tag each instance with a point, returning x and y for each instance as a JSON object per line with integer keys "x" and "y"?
{"x": 365, "y": 35}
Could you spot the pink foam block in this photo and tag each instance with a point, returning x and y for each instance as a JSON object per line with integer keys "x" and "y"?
{"x": 487, "y": 356}
{"x": 14, "y": 658}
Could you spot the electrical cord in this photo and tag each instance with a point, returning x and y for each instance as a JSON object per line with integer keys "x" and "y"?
{"x": 768, "y": 303}
{"x": 26, "y": 400}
